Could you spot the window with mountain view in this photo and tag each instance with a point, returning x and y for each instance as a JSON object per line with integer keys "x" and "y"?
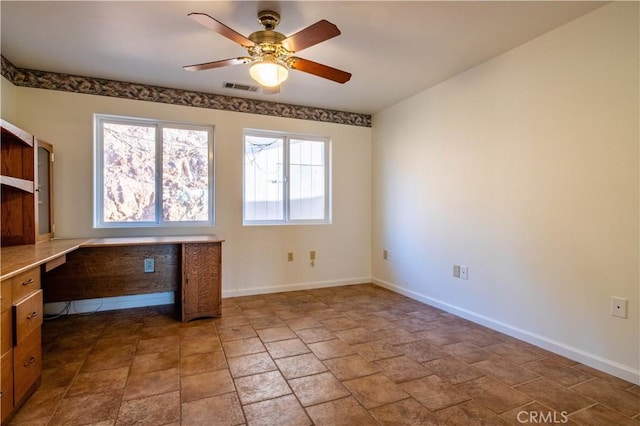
{"x": 152, "y": 173}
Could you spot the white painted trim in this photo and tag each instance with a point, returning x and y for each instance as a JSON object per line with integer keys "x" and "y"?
{"x": 111, "y": 303}
{"x": 295, "y": 286}
{"x": 592, "y": 360}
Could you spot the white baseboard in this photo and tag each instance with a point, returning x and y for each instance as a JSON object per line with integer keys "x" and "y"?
{"x": 608, "y": 366}
{"x": 294, "y": 287}
{"x": 110, "y": 303}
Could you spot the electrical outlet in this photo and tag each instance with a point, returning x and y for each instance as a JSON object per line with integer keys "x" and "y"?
{"x": 464, "y": 272}
{"x": 456, "y": 271}
{"x": 619, "y": 307}
{"x": 290, "y": 256}
{"x": 312, "y": 255}
{"x": 385, "y": 254}
{"x": 149, "y": 265}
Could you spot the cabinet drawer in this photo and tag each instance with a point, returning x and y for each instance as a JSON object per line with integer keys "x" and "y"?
{"x": 28, "y": 316}
{"x": 25, "y": 283}
{"x": 27, "y": 365}
{"x": 6, "y": 331}
{"x": 6, "y": 384}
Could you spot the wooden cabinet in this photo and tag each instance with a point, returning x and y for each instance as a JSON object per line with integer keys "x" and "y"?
{"x": 21, "y": 321}
{"x": 201, "y": 288}
{"x": 17, "y": 175}
{"x": 45, "y": 225}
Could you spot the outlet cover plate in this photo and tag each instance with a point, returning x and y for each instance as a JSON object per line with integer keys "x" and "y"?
{"x": 619, "y": 307}
{"x": 464, "y": 272}
{"x": 149, "y": 265}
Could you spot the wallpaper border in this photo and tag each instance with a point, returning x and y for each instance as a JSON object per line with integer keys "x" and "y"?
{"x": 141, "y": 92}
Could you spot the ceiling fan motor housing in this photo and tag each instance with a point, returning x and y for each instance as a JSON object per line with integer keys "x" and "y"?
{"x": 269, "y": 19}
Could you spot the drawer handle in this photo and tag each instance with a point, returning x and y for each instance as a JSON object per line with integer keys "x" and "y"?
{"x": 31, "y": 361}
{"x": 32, "y": 315}
{"x": 27, "y": 282}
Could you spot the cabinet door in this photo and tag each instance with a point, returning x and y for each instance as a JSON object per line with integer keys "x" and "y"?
{"x": 201, "y": 288}
{"x": 6, "y": 362}
{"x": 44, "y": 189}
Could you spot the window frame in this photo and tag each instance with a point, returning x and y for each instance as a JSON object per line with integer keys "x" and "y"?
{"x": 159, "y": 125}
{"x": 286, "y": 205}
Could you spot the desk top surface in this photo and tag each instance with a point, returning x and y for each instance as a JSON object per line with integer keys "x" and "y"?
{"x": 17, "y": 259}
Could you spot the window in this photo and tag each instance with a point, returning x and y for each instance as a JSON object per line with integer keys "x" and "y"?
{"x": 152, "y": 173}
{"x": 286, "y": 178}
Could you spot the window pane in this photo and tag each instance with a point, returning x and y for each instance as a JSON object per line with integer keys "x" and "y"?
{"x": 185, "y": 179}
{"x": 129, "y": 173}
{"x": 263, "y": 178}
{"x": 307, "y": 180}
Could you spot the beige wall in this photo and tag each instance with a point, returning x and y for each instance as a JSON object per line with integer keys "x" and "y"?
{"x": 8, "y": 100}
{"x": 254, "y": 258}
{"x": 526, "y": 169}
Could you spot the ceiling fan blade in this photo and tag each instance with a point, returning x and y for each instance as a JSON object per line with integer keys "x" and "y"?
{"x": 312, "y": 35}
{"x": 217, "y": 64}
{"x": 320, "y": 70}
{"x": 220, "y": 28}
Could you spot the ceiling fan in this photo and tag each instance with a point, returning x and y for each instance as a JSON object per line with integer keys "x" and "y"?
{"x": 271, "y": 54}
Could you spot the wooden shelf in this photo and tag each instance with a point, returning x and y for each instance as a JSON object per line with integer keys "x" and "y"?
{"x": 21, "y": 184}
{"x": 11, "y": 131}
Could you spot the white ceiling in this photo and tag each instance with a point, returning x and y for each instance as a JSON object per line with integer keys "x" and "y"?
{"x": 393, "y": 49}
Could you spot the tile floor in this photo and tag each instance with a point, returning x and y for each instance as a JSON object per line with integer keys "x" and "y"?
{"x": 355, "y": 355}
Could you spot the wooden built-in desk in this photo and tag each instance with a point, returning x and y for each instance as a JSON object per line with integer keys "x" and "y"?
{"x": 74, "y": 269}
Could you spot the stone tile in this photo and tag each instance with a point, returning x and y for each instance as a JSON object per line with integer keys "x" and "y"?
{"x": 88, "y": 408}
{"x": 241, "y": 347}
{"x": 505, "y": 371}
{"x": 493, "y": 394}
{"x": 340, "y": 323}
{"x": 353, "y": 336}
{"x": 300, "y": 366}
{"x": 276, "y": 333}
{"x": 247, "y": 365}
{"x": 236, "y": 333}
{"x": 260, "y": 387}
{"x": 108, "y": 360}
{"x": 374, "y": 391}
{"x": 230, "y": 322}
{"x": 611, "y": 396}
{"x": 301, "y": 323}
{"x": 407, "y": 412}
{"x": 42, "y": 404}
{"x": 156, "y": 382}
{"x": 316, "y": 334}
{"x": 171, "y": 328}
{"x": 554, "y": 396}
{"x": 284, "y": 410}
{"x": 341, "y": 412}
{"x": 266, "y": 322}
{"x": 598, "y": 415}
{"x": 453, "y": 370}
{"x": 469, "y": 413}
{"x": 99, "y": 381}
{"x": 204, "y": 385}
{"x": 438, "y": 336}
{"x": 379, "y": 349}
{"x": 421, "y": 351}
{"x": 285, "y": 348}
{"x": 350, "y": 366}
{"x": 402, "y": 369}
{"x": 60, "y": 377}
{"x": 397, "y": 336}
{"x": 558, "y": 372}
{"x": 330, "y": 349}
{"x": 198, "y": 346}
{"x": 155, "y": 361}
{"x": 516, "y": 352}
{"x": 602, "y": 375}
{"x": 157, "y": 344}
{"x": 434, "y": 393}
{"x": 201, "y": 363}
{"x": 151, "y": 411}
{"x": 468, "y": 352}
{"x": 318, "y": 388}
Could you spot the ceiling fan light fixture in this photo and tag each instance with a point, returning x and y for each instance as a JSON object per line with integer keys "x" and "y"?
{"x": 268, "y": 73}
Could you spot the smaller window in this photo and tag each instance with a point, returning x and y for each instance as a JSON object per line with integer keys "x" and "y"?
{"x": 152, "y": 173}
{"x": 286, "y": 178}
